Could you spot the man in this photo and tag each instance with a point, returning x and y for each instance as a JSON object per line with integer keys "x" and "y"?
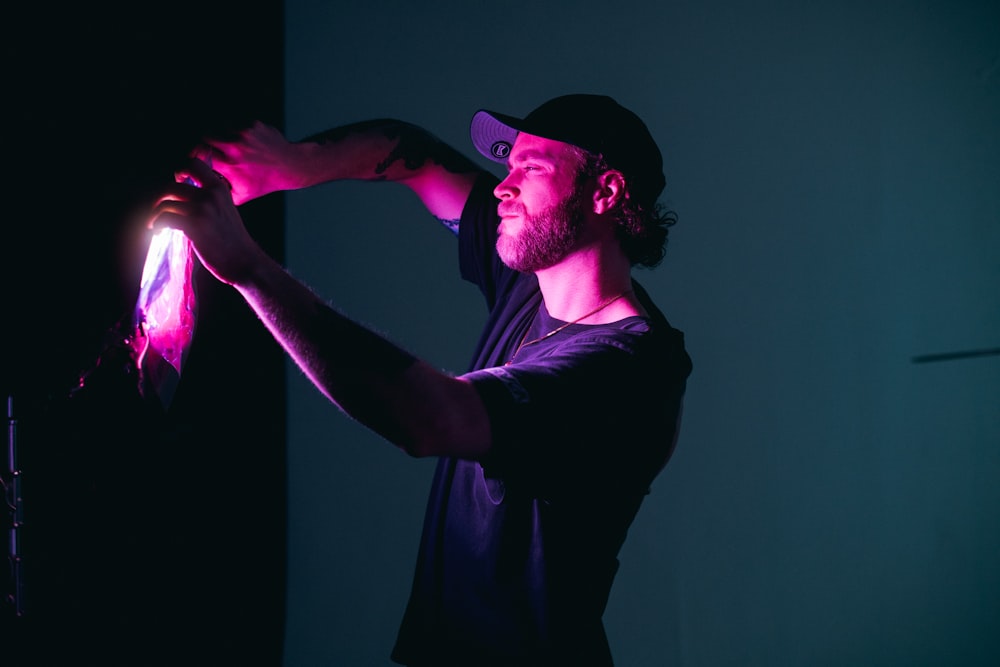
{"x": 549, "y": 443}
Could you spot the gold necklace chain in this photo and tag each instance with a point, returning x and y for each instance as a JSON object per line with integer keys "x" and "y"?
{"x": 559, "y": 328}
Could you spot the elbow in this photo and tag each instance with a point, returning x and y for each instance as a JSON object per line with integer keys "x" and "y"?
{"x": 414, "y": 439}
{"x": 436, "y": 419}
{"x": 433, "y": 442}
{"x": 416, "y": 448}
{"x": 426, "y": 444}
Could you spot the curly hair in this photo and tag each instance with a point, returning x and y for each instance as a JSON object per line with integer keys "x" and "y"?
{"x": 642, "y": 227}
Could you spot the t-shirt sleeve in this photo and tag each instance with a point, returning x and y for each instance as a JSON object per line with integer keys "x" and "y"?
{"x": 601, "y": 409}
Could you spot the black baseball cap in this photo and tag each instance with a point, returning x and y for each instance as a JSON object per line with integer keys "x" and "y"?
{"x": 595, "y": 123}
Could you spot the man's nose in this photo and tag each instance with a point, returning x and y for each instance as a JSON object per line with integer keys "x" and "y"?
{"x": 505, "y": 189}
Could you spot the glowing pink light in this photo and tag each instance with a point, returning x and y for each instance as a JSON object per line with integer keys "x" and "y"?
{"x": 165, "y": 309}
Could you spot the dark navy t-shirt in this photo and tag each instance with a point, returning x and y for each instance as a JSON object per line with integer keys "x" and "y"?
{"x": 519, "y": 550}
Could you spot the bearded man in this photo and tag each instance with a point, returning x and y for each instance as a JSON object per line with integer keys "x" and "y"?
{"x": 547, "y": 446}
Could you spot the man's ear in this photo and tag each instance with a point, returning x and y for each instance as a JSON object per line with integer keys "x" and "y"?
{"x": 609, "y": 191}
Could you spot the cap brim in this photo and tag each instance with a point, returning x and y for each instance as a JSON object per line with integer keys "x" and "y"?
{"x": 493, "y": 134}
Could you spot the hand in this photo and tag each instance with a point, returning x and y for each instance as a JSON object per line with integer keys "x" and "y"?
{"x": 258, "y": 161}
{"x": 199, "y": 204}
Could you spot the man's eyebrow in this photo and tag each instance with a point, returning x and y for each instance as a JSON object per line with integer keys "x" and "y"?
{"x": 531, "y": 154}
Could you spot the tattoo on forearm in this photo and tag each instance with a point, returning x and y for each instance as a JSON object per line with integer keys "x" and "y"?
{"x": 452, "y": 225}
{"x": 336, "y": 134}
{"x": 414, "y": 148}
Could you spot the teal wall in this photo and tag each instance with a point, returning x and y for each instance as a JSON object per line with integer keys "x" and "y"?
{"x": 836, "y": 172}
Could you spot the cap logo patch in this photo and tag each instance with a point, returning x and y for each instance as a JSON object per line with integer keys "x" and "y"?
{"x": 500, "y": 150}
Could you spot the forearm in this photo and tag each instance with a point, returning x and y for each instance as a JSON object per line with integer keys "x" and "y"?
{"x": 394, "y": 151}
{"x": 377, "y": 150}
{"x": 261, "y": 161}
{"x": 422, "y": 410}
{"x": 414, "y": 406}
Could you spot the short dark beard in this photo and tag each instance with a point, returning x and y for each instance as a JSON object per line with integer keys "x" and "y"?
{"x": 545, "y": 238}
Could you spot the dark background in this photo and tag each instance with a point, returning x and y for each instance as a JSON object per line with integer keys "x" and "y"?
{"x": 151, "y": 536}
{"x": 835, "y": 171}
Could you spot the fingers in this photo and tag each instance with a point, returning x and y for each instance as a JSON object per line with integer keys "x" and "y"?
{"x": 170, "y": 211}
{"x": 166, "y": 217}
{"x": 229, "y": 145}
{"x": 198, "y": 172}
{"x": 195, "y": 185}
{"x": 204, "y": 152}
{"x": 240, "y": 160}
{"x": 212, "y": 152}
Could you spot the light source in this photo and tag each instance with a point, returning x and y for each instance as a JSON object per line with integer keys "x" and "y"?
{"x": 165, "y": 313}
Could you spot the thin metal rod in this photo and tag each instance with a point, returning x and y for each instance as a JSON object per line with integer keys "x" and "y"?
{"x": 16, "y": 505}
{"x": 948, "y": 356}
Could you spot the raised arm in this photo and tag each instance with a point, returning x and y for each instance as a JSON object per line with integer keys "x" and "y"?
{"x": 409, "y": 402}
{"x": 260, "y": 160}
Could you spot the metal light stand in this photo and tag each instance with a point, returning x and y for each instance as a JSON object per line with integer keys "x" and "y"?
{"x": 12, "y": 494}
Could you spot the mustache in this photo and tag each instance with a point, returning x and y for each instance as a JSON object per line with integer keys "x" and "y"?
{"x": 510, "y": 208}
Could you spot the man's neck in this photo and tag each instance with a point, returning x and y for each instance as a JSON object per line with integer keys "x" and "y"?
{"x": 584, "y": 281}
